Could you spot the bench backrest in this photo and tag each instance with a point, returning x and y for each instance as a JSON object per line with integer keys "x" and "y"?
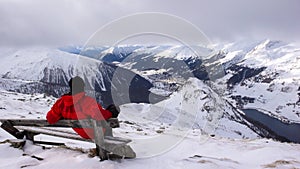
{"x": 87, "y": 123}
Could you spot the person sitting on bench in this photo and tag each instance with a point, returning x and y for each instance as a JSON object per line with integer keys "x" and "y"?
{"x": 77, "y": 106}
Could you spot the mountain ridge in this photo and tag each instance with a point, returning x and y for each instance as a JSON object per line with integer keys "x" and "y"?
{"x": 45, "y": 70}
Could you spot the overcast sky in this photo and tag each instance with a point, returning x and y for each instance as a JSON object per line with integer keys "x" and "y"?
{"x": 64, "y": 22}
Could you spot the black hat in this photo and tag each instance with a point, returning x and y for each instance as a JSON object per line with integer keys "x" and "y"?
{"x": 76, "y": 85}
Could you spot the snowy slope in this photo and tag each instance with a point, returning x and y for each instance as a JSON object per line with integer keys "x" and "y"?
{"x": 267, "y": 71}
{"x": 48, "y": 65}
{"x": 195, "y": 105}
{"x": 48, "y": 70}
{"x": 194, "y": 151}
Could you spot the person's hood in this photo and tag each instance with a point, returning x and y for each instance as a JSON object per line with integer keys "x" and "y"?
{"x": 70, "y": 100}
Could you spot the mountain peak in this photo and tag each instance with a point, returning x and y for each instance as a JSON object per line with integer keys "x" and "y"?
{"x": 270, "y": 44}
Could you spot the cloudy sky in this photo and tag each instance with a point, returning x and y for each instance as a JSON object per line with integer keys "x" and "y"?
{"x": 64, "y": 22}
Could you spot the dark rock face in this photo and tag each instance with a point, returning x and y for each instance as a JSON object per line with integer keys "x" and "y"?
{"x": 241, "y": 73}
{"x": 55, "y": 76}
{"x": 241, "y": 101}
{"x": 198, "y": 69}
{"x": 126, "y": 87}
{"x": 298, "y": 102}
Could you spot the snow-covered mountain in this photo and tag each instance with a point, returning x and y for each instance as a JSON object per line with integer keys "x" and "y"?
{"x": 45, "y": 70}
{"x": 201, "y": 124}
{"x": 263, "y": 75}
{"x": 272, "y": 65}
{"x": 195, "y": 106}
{"x": 166, "y": 66}
{"x": 259, "y": 75}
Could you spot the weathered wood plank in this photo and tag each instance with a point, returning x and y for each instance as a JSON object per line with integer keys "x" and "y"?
{"x": 49, "y": 143}
{"x": 8, "y": 127}
{"x": 38, "y": 130}
{"x": 99, "y": 140}
{"x": 118, "y": 139}
{"x": 112, "y": 122}
{"x": 124, "y": 151}
{"x": 44, "y": 123}
{"x": 69, "y": 134}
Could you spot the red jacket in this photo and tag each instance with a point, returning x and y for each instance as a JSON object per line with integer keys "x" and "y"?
{"x": 77, "y": 107}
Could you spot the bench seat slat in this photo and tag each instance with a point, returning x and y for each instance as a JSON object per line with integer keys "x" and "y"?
{"x": 69, "y": 135}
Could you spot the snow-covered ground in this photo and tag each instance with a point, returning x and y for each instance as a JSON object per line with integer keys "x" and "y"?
{"x": 160, "y": 139}
{"x": 191, "y": 153}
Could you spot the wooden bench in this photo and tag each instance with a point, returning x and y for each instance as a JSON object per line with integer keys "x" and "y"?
{"x": 106, "y": 145}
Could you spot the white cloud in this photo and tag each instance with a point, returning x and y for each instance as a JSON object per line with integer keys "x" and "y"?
{"x": 61, "y": 22}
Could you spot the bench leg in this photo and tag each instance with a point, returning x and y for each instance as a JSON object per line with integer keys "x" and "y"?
{"x": 102, "y": 153}
{"x": 29, "y": 135}
{"x": 99, "y": 141}
{"x": 8, "y": 127}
